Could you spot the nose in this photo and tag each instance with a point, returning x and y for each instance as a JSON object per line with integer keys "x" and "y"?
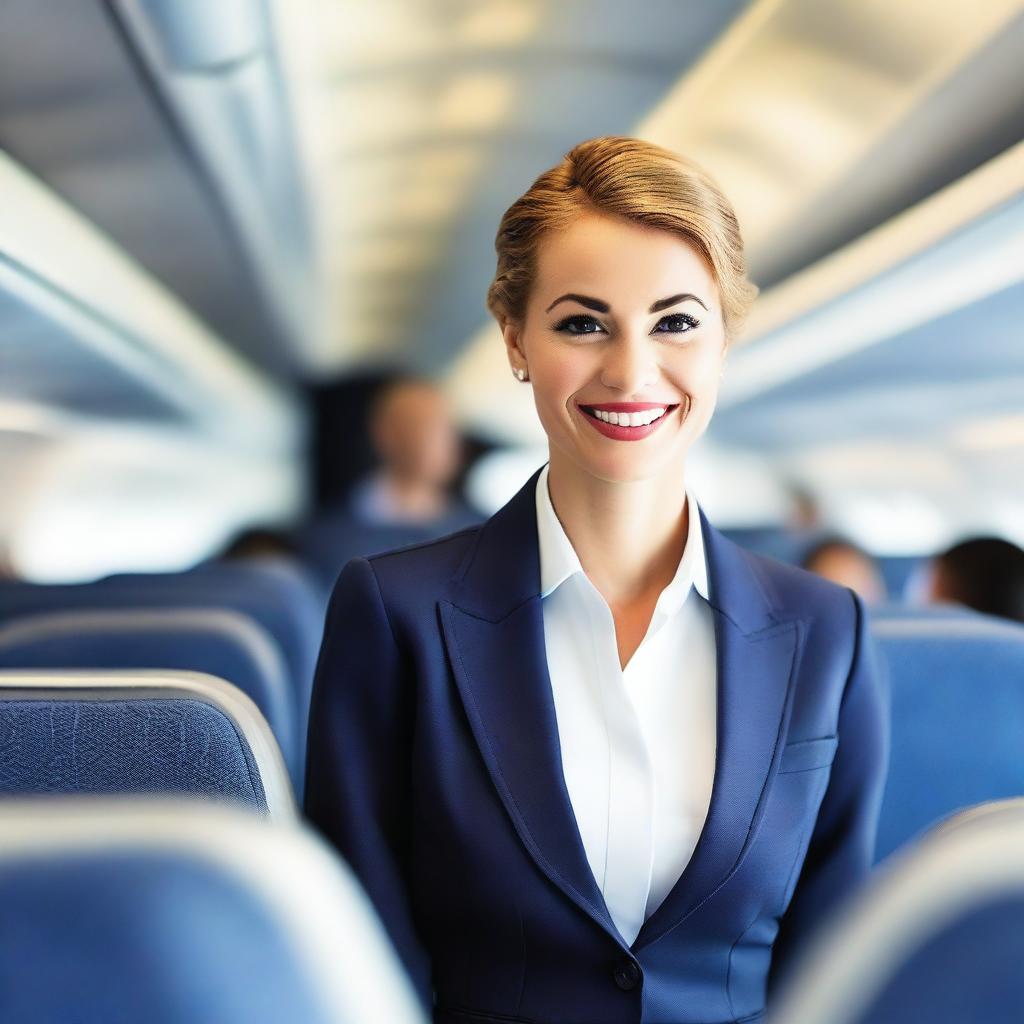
{"x": 631, "y": 364}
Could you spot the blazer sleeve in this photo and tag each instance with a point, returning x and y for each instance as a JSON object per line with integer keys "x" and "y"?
{"x": 358, "y": 768}
{"x": 842, "y": 846}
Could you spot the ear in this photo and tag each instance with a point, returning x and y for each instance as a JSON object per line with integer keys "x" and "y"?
{"x": 511, "y": 333}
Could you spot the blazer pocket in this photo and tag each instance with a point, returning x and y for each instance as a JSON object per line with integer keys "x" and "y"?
{"x": 803, "y": 755}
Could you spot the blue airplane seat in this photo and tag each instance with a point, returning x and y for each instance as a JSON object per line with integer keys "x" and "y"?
{"x": 957, "y": 682}
{"x": 138, "y": 733}
{"x": 274, "y": 592}
{"x": 897, "y": 571}
{"x": 183, "y": 913}
{"x": 219, "y": 642}
{"x": 936, "y": 935}
{"x": 968, "y": 970}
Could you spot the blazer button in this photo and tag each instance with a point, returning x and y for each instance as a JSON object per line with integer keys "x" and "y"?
{"x": 627, "y": 974}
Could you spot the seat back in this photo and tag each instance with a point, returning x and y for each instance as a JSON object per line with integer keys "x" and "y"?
{"x": 275, "y": 593}
{"x": 138, "y": 732}
{"x": 957, "y": 682}
{"x": 219, "y": 642}
{"x": 184, "y": 913}
{"x": 937, "y": 936}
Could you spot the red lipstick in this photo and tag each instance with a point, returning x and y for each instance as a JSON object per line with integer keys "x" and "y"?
{"x": 621, "y": 432}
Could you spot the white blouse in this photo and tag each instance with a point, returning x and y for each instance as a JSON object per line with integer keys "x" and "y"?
{"x": 638, "y": 744}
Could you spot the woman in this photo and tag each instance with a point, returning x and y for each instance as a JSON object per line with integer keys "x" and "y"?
{"x": 592, "y": 761}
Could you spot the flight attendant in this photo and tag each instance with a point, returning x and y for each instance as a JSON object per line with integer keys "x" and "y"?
{"x": 593, "y": 762}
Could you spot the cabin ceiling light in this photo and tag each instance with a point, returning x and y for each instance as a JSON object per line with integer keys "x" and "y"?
{"x": 498, "y": 24}
{"x": 473, "y": 101}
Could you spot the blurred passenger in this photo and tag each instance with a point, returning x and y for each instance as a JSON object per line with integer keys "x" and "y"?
{"x": 841, "y": 561}
{"x": 415, "y": 438}
{"x": 804, "y": 513}
{"x": 407, "y": 499}
{"x": 259, "y": 542}
{"x": 984, "y": 573}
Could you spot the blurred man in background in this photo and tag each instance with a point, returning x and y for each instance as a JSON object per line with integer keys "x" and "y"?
{"x": 843, "y": 562}
{"x": 407, "y": 497}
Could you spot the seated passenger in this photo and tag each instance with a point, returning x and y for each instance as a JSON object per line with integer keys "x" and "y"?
{"x": 407, "y": 498}
{"x": 843, "y": 562}
{"x": 259, "y": 543}
{"x": 984, "y": 573}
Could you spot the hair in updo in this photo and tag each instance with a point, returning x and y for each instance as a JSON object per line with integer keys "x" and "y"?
{"x": 627, "y": 178}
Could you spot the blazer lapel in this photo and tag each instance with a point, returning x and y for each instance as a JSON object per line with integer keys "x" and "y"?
{"x": 758, "y": 654}
{"x": 494, "y": 633}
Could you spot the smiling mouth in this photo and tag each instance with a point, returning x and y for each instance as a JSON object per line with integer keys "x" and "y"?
{"x": 631, "y": 420}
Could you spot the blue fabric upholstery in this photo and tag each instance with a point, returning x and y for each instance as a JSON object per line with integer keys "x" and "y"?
{"x": 112, "y": 641}
{"x": 137, "y": 745}
{"x": 119, "y": 938}
{"x": 970, "y": 970}
{"x": 275, "y": 593}
{"x": 957, "y": 685}
{"x": 897, "y": 571}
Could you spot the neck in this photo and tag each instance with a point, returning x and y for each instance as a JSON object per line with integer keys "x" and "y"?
{"x": 629, "y": 537}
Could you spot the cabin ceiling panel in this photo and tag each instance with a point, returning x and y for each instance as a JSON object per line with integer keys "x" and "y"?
{"x": 77, "y": 113}
{"x": 41, "y": 362}
{"x": 441, "y": 114}
{"x": 927, "y": 383}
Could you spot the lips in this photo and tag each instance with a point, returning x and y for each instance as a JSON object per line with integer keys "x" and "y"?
{"x": 620, "y": 431}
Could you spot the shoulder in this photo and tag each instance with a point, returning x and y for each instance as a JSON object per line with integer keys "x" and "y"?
{"x": 409, "y": 577}
{"x": 427, "y": 564}
{"x": 796, "y": 593}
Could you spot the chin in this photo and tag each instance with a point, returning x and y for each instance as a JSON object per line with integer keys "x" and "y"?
{"x": 630, "y": 467}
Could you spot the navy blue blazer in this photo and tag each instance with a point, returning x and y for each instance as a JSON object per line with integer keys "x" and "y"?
{"x": 434, "y": 768}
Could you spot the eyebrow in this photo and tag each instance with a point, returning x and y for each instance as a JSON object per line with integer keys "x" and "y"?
{"x": 583, "y": 300}
{"x": 672, "y": 300}
{"x": 602, "y": 307}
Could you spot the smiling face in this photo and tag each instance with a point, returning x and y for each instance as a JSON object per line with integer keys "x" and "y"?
{"x": 622, "y": 321}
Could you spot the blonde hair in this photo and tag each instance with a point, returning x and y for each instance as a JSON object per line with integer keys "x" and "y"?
{"x": 641, "y": 182}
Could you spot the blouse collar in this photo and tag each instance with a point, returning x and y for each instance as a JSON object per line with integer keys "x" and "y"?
{"x": 559, "y": 561}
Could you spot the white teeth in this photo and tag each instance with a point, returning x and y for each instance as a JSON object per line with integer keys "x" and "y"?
{"x": 630, "y": 419}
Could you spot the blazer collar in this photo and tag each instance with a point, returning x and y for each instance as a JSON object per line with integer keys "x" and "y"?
{"x": 502, "y": 570}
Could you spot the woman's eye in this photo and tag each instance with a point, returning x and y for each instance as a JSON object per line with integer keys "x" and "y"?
{"x": 579, "y": 324}
{"x": 676, "y": 323}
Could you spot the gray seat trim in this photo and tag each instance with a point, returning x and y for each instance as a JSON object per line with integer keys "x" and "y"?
{"x": 953, "y": 628}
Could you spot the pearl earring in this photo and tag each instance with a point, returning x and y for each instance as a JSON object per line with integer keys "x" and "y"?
{"x": 520, "y": 373}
